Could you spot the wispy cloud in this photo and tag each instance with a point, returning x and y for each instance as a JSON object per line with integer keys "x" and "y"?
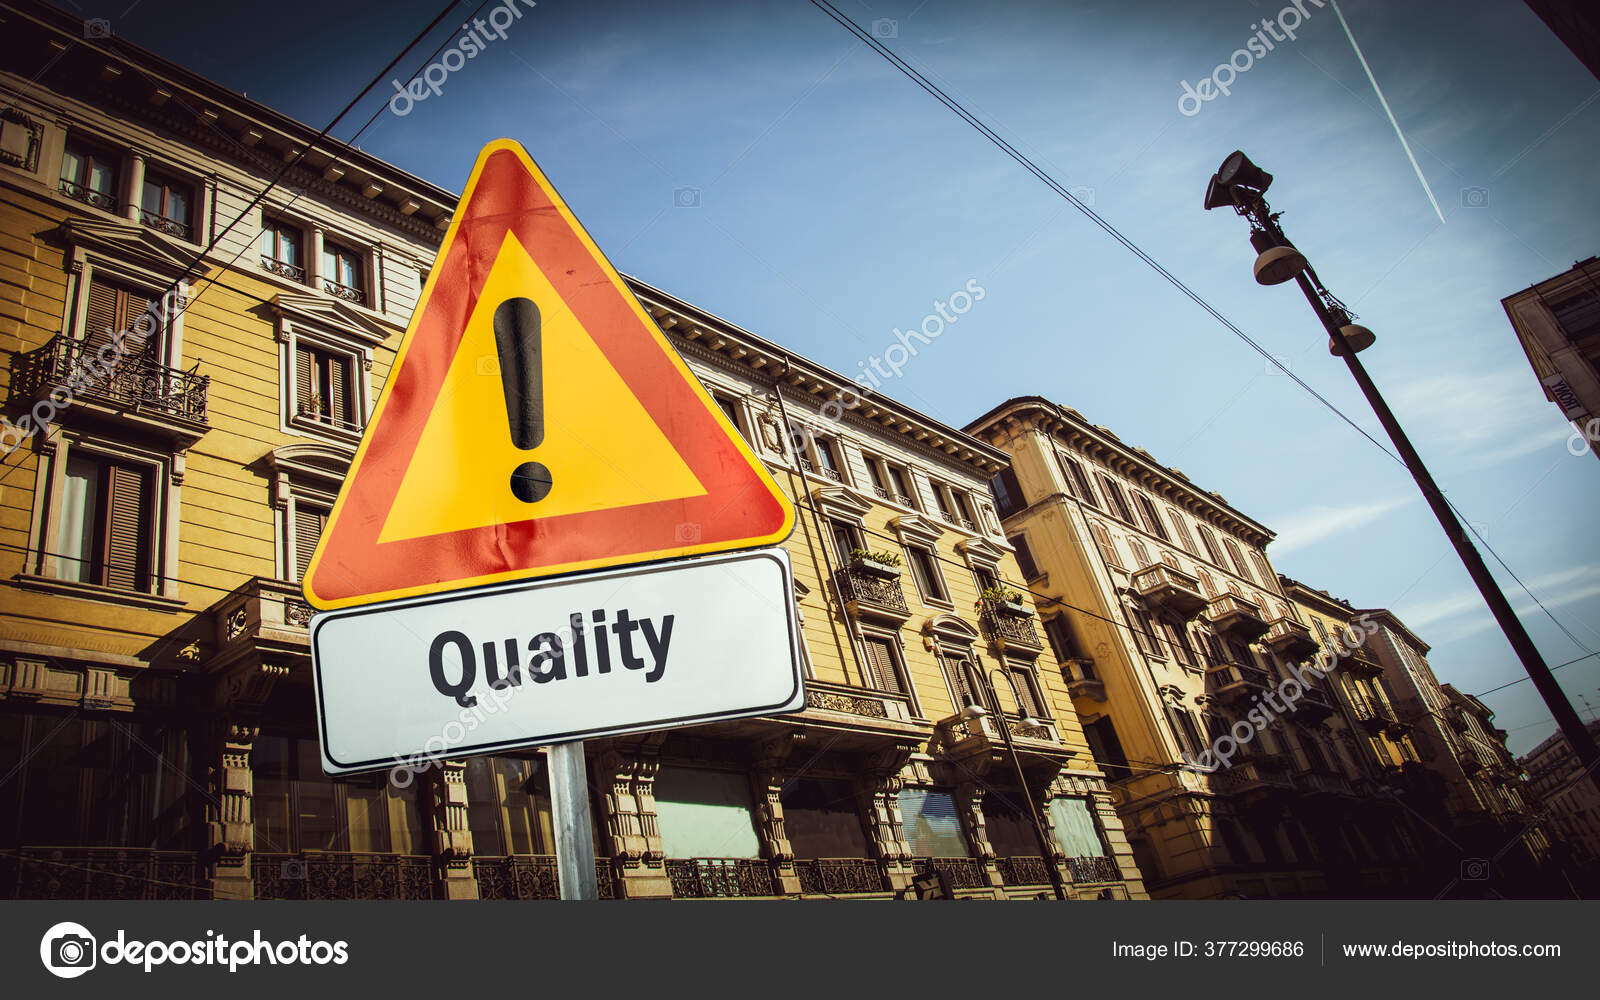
{"x": 1305, "y": 528}
{"x": 1558, "y": 589}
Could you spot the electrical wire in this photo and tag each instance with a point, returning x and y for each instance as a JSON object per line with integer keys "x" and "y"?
{"x": 960, "y": 111}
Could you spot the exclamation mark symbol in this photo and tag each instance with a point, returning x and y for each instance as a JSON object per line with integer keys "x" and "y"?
{"x": 516, "y": 337}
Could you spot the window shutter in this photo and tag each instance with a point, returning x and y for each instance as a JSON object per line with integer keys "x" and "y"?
{"x": 1141, "y": 555}
{"x": 126, "y": 564}
{"x": 339, "y": 391}
{"x": 308, "y": 522}
{"x": 1102, "y": 538}
{"x": 304, "y": 378}
{"x": 100, "y": 318}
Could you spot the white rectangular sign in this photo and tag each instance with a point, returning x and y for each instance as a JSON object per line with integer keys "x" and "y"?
{"x": 539, "y": 662}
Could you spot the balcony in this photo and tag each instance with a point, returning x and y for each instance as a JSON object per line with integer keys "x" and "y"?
{"x": 349, "y": 293}
{"x": 1258, "y": 776}
{"x": 283, "y": 269}
{"x": 1023, "y": 871}
{"x": 337, "y": 875}
{"x": 133, "y": 387}
{"x": 530, "y": 876}
{"x": 88, "y": 195}
{"x": 713, "y": 878}
{"x": 1314, "y": 702}
{"x": 862, "y": 702}
{"x": 839, "y": 876}
{"x": 868, "y": 592}
{"x": 1290, "y": 639}
{"x": 1233, "y": 615}
{"x": 1006, "y": 627}
{"x": 1161, "y": 586}
{"x": 963, "y": 873}
{"x": 1232, "y": 682}
{"x": 1457, "y": 721}
{"x": 161, "y": 224}
{"x": 1324, "y": 783}
{"x": 1361, "y": 662}
{"x": 1094, "y": 869}
{"x": 102, "y": 873}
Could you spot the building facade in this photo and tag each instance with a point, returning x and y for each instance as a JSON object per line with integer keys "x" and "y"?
{"x": 1569, "y": 806}
{"x": 1474, "y": 788}
{"x": 1159, "y": 597}
{"x": 1557, "y": 322}
{"x": 155, "y": 706}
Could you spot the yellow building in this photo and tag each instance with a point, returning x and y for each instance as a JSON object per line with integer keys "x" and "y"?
{"x": 1232, "y": 763}
{"x": 154, "y": 663}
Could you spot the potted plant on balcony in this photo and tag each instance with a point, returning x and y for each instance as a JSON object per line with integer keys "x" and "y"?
{"x": 1006, "y": 599}
{"x": 880, "y": 563}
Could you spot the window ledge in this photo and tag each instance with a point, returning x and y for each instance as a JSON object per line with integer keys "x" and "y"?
{"x": 95, "y": 592}
{"x": 325, "y": 431}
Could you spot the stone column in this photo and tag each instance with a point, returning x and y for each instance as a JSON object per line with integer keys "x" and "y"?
{"x": 877, "y": 796}
{"x": 625, "y": 775}
{"x": 452, "y": 838}
{"x": 314, "y": 273}
{"x": 230, "y": 820}
{"x": 133, "y": 186}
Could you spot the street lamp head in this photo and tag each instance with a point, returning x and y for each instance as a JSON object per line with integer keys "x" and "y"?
{"x": 1279, "y": 264}
{"x": 1357, "y": 336}
{"x": 1236, "y": 182}
{"x": 1029, "y": 722}
{"x": 973, "y": 710}
{"x": 1238, "y": 172}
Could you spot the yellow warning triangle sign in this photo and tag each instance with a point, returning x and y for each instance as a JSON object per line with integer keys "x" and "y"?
{"x": 536, "y": 421}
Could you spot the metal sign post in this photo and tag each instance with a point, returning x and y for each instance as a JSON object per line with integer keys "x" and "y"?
{"x": 569, "y": 807}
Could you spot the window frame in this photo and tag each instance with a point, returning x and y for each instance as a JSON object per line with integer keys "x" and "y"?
{"x": 169, "y": 181}
{"x": 942, "y": 599}
{"x": 297, "y": 334}
{"x": 1117, "y": 499}
{"x": 1078, "y": 484}
{"x": 90, "y": 151}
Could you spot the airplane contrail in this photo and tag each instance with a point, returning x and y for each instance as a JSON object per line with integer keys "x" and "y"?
{"x": 1379, "y": 91}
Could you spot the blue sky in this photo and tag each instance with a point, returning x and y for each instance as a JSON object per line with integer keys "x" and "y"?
{"x": 833, "y": 201}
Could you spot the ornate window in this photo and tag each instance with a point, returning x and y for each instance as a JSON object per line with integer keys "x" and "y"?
{"x": 1077, "y": 482}
{"x": 326, "y": 353}
{"x": 283, "y": 250}
{"x": 344, "y": 273}
{"x": 1150, "y": 516}
{"x": 1116, "y": 498}
{"x": 306, "y": 480}
{"x": 1180, "y": 528}
{"x": 89, "y": 174}
{"x": 166, "y": 204}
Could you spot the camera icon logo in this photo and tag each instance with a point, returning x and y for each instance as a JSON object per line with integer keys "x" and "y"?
{"x": 67, "y": 950}
{"x": 885, "y": 27}
{"x": 686, "y": 197}
{"x": 1474, "y": 197}
{"x": 1475, "y": 870}
{"x": 688, "y": 533}
{"x": 96, "y": 27}
{"x": 292, "y": 871}
{"x": 1083, "y": 193}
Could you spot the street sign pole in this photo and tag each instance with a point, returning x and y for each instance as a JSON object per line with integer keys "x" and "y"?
{"x": 569, "y": 806}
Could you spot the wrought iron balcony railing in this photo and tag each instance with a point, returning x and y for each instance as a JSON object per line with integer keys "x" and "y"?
{"x": 1164, "y": 587}
{"x": 283, "y": 269}
{"x": 1005, "y": 626}
{"x": 316, "y": 415}
{"x": 862, "y": 590}
{"x": 839, "y": 876}
{"x": 1023, "y": 871}
{"x": 349, "y": 293}
{"x": 135, "y": 381}
{"x": 88, "y": 195}
{"x": 530, "y": 876}
{"x": 338, "y": 875}
{"x": 161, "y": 224}
{"x": 707, "y": 878}
{"x": 963, "y": 873}
{"x": 102, "y": 873}
{"x": 1094, "y": 869}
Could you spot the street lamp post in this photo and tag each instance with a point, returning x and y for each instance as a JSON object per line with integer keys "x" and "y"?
{"x": 976, "y": 711}
{"x": 1240, "y": 184}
